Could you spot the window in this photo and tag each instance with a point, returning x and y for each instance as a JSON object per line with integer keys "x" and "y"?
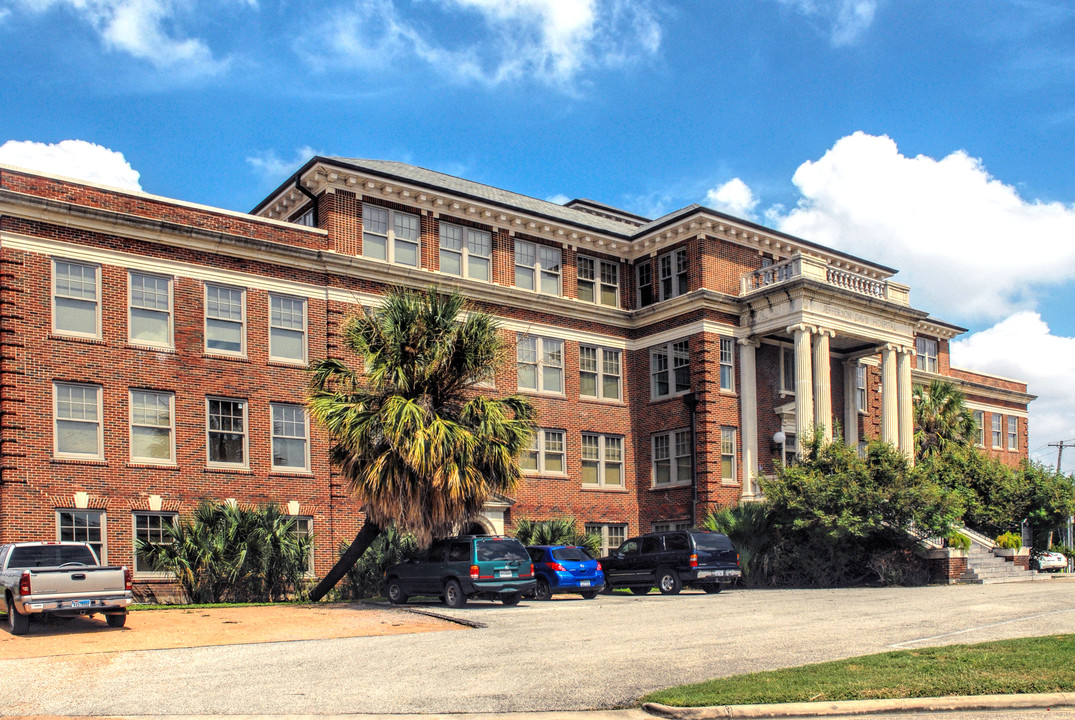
{"x": 77, "y": 412}
{"x": 83, "y": 526}
{"x": 671, "y": 525}
{"x": 152, "y": 528}
{"x": 727, "y": 364}
{"x": 150, "y": 315}
{"x": 979, "y": 423}
{"x": 727, "y": 455}
{"x": 307, "y": 218}
{"x": 645, "y": 284}
{"x": 76, "y": 307}
{"x": 546, "y": 453}
{"x": 287, "y": 329}
{"x": 390, "y": 235}
{"x": 860, "y": 388}
{"x": 997, "y": 431}
{"x": 225, "y": 320}
{"x": 540, "y": 364}
{"x": 672, "y": 458}
{"x": 612, "y": 536}
{"x": 600, "y": 373}
{"x": 304, "y": 528}
{"x": 599, "y": 281}
{"x": 1013, "y": 433}
{"x": 290, "y": 451}
{"x": 152, "y": 435}
{"x": 602, "y": 461}
{"x": 673, "y": 273}
{"x": 669, "y": 367}
{"x": 787, "y": 370}
{"x": 537, "y": 267}
{"x": 465, "y": 252}
{"x": 226, "y": 430}
{"x": 791, "y": 448}
{"x": 926, "y": 350}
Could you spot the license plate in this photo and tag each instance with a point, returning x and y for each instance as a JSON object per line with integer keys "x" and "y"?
{"x": 584, "y": 583}
{"x": 504, "y": 574}
{"x": 706, "y": 573}
{"x": 80, "y": 603}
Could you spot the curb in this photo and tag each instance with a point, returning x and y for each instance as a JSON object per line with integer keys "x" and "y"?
{"x": 1030, "y": 701}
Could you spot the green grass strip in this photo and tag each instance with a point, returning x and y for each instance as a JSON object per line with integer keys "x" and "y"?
{"x": 1025, "y": 665}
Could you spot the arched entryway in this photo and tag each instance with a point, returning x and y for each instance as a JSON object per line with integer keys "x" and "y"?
{"x": 478, "y": 526}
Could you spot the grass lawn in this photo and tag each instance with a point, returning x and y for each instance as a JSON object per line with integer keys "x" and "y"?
{"x": 1026, "y": 665}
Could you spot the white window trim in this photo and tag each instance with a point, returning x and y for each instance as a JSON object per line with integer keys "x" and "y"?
{"x": 540, "y": 365}
{"x": 602, "y": 460}
{"x": 245, "y": 464}
{"x": 96, "y": 334}
{"x": 272, "y": 437}
{"x": 104, "y": 528}
{"x": 638, "y": 283}
{"x": 671, "y": 525}
{"x": 169, "y": 344}
{"x": 134, "y": 459}
{"x": 671, "y": 371}
{"x": 996, "y": 428}
{"x": 539, "y": 436}
{"x": 310, "y": 533}
{"x": 1013, "y": 436}
{"x": 134, "y": 550}
{"x": 784, "y": 389}
{"x": 205, "y": 325}
{"x": 602, "y": 529}
{"x": 979, "y": 419}
{"x": 538, "y": 269}
{"x": 597, "y": 280}
{"x": 464, "y": 251}
{"x": 390, "y": 236}
{"x": 99, "y": 455}
{"x": 862, "y": 391}
{"x": 721, "y": 364}
{"x": 305, "y": 330}
{"x": 673, "y": 466}
{"x": 734, "y": 479}
{"x": 925, "y": 361}
{"x": 673, "y": 256}
{"x": 601, "y": 374}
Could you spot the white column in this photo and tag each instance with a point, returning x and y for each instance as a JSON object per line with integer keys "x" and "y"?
{"x": 748, "y": 415}
{"x": 823, "y": 383}
{"x": 903, "y": 402}
{"x": 804, "y": 382}
{"x": 890, "y": 432}
{"x": 851, "y": 412}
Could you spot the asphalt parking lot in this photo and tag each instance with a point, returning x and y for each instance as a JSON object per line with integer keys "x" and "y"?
{"x": 565, "y": 654}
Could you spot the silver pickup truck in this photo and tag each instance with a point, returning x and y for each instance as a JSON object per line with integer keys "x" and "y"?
{"x": 62, "y": 578}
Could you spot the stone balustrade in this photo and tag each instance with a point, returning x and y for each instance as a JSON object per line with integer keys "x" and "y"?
{"x": 815, "y": 269}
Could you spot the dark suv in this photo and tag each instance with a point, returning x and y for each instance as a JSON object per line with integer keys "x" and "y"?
{"x": 491, "y": 567}
{"x": 672, "y": 560}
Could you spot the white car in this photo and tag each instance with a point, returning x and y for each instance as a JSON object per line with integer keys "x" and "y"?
{"x": 1050, "y": 562}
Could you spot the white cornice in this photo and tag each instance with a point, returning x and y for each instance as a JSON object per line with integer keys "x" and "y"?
{"x": 972, "y": 405}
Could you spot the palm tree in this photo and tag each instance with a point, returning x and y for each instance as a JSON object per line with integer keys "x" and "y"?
{"x": 941, "y": 419}
{"x": 750, "y": 528}
{"x": 558, "y": 531}
{"x": 419, "y": 448}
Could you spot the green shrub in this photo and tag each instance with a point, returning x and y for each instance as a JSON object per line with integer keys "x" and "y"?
{"x": 1065, "y": 550}
{"x": 558, "y": 531}
{"x": 958, "y": 541}
{"x": 750, "y": 529}
{"x": 1009, "y": 541}
{"x": 364, "y": 578}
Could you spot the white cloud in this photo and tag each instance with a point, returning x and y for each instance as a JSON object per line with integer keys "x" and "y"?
{"x": 558, "y": 198}
{"x": 144, "y": 29}
{"x": 273, "y": 167}
{"x": 549, "y": 41}
{"x": 970, "y": 247}
{"x": 844, "y": 21}
{"x": 1022, "y": 347}
{"x": 734, "y": 198}
{"x": 74, "y": 159}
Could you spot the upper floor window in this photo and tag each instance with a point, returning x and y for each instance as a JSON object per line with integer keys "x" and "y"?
{"x": 77, "y": 415}
{"x": 76, "y": 300}
{"x": 727, "y": 454}
{"x": 149, "y": 321}
{"x": 787, "y": 370}
{"x": 307, "y": 218}
{"x": 287, "y": 329}
{"x": 599, "y": 281}
{"x": 926, "y": 350}
{"x": 390, "y": 235}
{"x": 466, "y": 252}
{"x": 727, "y": 364}
{"x": 290, "y": 449}
{"x": 645, "y": 284}
{"x": 998, "y": 431}
{"x": 671, "y": 281}
{"x": 152, "y": 426}
{"x": 226, "y": 431}
{"x": 225, "y": 320}
{"x": 669, "y": 367}
{"x": 546, "y": 453}
{"x": 979, "y": 423}
{"x": 540, "y": 364}
{"x": 1013, "y": 433}
{"x": 537, "y": 267}
{"x": 602, "y": 460}
{"x": 860, "y": 388}
{"x": 672, "y": 458}
{"x": 600, "y": 373}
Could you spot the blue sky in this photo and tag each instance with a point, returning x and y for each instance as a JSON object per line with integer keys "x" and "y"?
{"x": 935, "y": 137}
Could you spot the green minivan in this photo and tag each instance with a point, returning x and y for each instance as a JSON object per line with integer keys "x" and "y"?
{"x": 491, "y": 567}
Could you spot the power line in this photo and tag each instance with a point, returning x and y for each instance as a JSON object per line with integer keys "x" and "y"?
{"x": 1060, "y": 450}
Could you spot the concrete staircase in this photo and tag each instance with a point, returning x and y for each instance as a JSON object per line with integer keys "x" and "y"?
{"x": 984, "y": 568}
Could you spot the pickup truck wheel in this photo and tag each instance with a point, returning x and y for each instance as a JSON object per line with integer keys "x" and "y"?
{"x": 394, "y": 591}
{"x": 510, "y": 599}
{"x": 116, "y": 619}
{"x": 714, "y": 588}
{"x": 668, "y": 582}
{"x": 640, "y": 589}
{"x": 17, "y": 623}
{"x": 453, "y": 594}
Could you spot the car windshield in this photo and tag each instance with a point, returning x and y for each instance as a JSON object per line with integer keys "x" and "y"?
{"x": 572, "y": 554}
{"x": 50, "y": 556}
{"x": 506, "y": 550}
{"x": 712, "y": 542}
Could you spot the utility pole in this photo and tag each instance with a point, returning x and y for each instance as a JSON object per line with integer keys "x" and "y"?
{"x": 1060, "y": 450}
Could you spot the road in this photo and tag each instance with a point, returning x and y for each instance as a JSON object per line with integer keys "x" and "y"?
{"x": 565, "y": 654}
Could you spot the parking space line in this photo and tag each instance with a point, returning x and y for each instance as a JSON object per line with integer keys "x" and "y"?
{"x": 981, "y": 627}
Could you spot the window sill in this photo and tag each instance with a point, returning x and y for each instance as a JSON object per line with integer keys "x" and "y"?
{"x": 237, "y": 470}
{"x": 230, "y": 358}
{"x": 664, "y": 398}
{"x": 89, "y": 340}
{"x": 728, "y": 393}
{"x": 602, "y": 401}
{"x": 101, "y": 462}
{"x": 149, "y": 576}
{"x": 670, "y": 486}
{"x": 166, "y": 349}
{"x": 600, "y": 489}
{"x": 540, "y": 393}
{"x": 288, "y": 364}
{"x": 291, "y": 473}
{"x": 152, "y": 465}
{"x": 544, "y": 476}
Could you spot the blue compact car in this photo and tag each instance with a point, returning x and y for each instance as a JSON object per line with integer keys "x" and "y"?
{"x": 565, "y": 569}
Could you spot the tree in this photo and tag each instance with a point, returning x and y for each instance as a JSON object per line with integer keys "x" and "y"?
{"x": 750, "y": 528}
{"x": 419, "y": 448}
{"x": 941, "y": 419}
{"x": 558, "y": 531}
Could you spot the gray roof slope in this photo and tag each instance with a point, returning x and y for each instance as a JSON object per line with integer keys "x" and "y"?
{"x": 436, "y": 180}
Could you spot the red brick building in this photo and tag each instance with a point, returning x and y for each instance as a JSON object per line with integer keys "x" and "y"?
{"x": 152, "y": 351}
